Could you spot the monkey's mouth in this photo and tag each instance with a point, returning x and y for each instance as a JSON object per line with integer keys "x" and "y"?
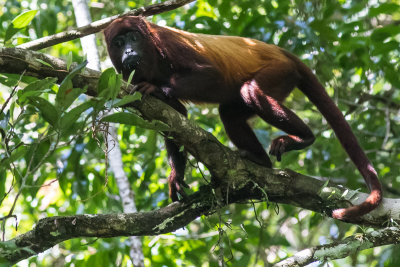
{"x": 131, "y": 63}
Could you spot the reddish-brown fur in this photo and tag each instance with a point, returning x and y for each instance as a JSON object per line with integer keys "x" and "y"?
{"x": 245, "y": 77}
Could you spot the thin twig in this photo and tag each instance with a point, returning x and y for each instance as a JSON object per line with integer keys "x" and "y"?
{"x": 12, "y": 92}
{"x": 99, "y": 25}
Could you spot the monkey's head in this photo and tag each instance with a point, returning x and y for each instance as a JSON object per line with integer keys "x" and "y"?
{"x": 129, "y": 47}
{"x": 129, "y": 40}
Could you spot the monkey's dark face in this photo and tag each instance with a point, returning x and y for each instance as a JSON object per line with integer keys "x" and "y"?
{"x": 130, "y": 46}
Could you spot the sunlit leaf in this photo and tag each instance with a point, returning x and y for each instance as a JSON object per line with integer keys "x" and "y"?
{"x": 20, "y": 22}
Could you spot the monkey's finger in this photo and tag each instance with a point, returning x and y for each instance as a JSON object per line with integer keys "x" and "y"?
{"x": 142, "y": 88}
{"x": 139, "y": 87}
{"x": 278, "y": 157}
{"x": 150, "y": 89}
{"x": 273, "y": 148}
{"x": 146, "y": 89}
{"x": 135, "y": 88}
{"x": 279, "y": 154}
{"x": 277, "y": 149}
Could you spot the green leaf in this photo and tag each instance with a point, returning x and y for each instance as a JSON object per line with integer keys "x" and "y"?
{"x": 130, "y": 77}
{"x": 9, "y": 80}
{"x": 10, "y": 32}
{"x": 2, "y": 184}
{"x": 103, "y": 81}
{"x": 384, "y": 8}
{"x": 117, "y": 86}
{"x": 66, "y": 93}
{"x": 69, "y": 60}
{"x": 380, "y": 34}
{"x": 392, "y": 76}
{"x": 133, "y": 119}
{"x": 70, "y": 96}
{"x": 23, "y": 20}
{"x": 109, "y": 84}
{"x": 35, "y": 89}
{"x": 49, "y": 112}
{"x": 112, "y": 79}
{"x": 127, "y": 99}
{"x": 15, "y": 155}
{"x": 6, "y": 245}
{"x": 73, "y": 115}
{"x": 20, "y": 22}
{"x": 4, "y": 119}
{"x": 37, "y": 152}
{"x": 324, "y": 29}
{"x": 27, "y": 249}
{"x": 384, "y": 48}
{"x": 44, "y": 63}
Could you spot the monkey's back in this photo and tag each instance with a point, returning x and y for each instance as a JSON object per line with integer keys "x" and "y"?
{"x": 237, "y": 58}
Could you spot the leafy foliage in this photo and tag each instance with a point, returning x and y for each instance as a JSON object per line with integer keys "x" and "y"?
{"x": 52, "y": 155}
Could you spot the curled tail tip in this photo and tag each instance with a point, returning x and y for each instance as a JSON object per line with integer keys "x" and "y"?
{"x": 375, "y": 197}
{"x": 353, "y": 213}
{"x": 339, "y": 214}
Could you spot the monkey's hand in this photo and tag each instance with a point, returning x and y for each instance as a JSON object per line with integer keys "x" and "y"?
{"x": 176, "y": 185}
{"x": 145, "y": 88}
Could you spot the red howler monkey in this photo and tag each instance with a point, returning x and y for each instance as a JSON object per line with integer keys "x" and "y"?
{"x": 245, "y": 77}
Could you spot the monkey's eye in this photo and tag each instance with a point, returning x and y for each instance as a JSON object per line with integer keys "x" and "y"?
{"x": 118, "y": 41}
{"x": 133, "y": 36}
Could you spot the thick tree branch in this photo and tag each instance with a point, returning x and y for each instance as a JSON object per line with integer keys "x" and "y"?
{"x": 53, "y": 230}
{"x": 97, "y": 26}
{"x": 235, "y": 179}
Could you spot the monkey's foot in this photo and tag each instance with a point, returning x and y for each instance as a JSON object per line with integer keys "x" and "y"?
{"x": 287, "y": 143}
{"x": 176, "y": 185}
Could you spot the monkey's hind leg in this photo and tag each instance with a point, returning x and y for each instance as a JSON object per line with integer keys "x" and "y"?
{"x": 257, "y": 95}
{"x": 234, "y": 116}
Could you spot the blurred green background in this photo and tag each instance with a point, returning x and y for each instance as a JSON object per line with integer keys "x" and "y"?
{"x": 353, "y": 46}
